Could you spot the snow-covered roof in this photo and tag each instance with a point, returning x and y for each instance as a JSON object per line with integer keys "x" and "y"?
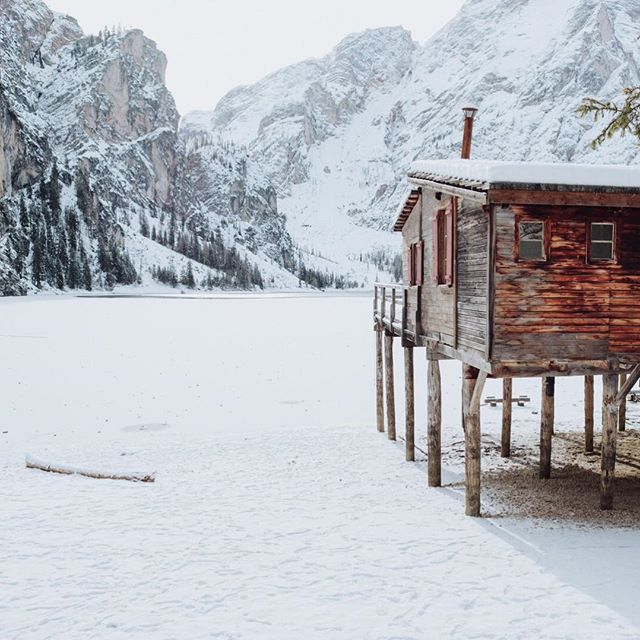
{"x": 496, "y": 172}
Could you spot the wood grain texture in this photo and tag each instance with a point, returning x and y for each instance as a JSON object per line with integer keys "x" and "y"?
{"x": 391, "y": 404}
{"x": 379, "y": 382}
{"x": 507, "y": 411}
{"x": 547, "y": 413}
{"x": 588, "y": 413}
{"x": 609, "y": 432}
{"x": 567, "y": 308}
{"x": 434, "y": 424}
{"x": 410, "y": 414}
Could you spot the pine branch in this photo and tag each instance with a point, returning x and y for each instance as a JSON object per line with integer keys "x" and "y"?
{"x": 621, "y": 119}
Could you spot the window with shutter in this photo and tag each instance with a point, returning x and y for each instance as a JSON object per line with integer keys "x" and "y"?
{"x": 436, "y": 232}
{"x": 449, "y": 231}
{"x": 420, "y": 263}
{"x": 443, "y": 231}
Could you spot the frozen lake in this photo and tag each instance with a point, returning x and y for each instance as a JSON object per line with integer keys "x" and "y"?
{"x": 278, "y": 511}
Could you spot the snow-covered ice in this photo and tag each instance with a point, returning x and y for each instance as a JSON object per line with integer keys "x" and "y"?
{"x": 278, "y": 511}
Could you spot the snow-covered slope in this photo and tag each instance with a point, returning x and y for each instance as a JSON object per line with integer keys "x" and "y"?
{"x": 336, "y": 135}
{"x": 93, "y": 177}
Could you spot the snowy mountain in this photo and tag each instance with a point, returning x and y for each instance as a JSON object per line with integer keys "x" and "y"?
{"x": 294, "y": 179}
{"x": 336, "y": 135}
{"x": 96, "y": 188}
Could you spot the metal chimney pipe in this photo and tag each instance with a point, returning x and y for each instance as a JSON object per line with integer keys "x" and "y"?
{"x": 469, "y": 115}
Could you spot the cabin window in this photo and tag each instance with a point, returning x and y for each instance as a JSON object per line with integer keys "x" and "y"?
{"x": 443, "y": 233}
{"x": 416, "y": 264}
{"x": 602, "y": 241}
{"x": 531, "y": 241}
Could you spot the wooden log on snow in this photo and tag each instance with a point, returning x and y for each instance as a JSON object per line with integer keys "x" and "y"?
{"x": 131, "y": 476}
{"x": 410, "y": 419}
{"x": 588, "y": 414}
{"x": 546, "y": 425}
{"x": 507, "y": 410}
{"x": 391, "y": 403}
{"x": 434, "y": 424}
{"x": 609, "y": 427}
{"x": 379, "y": 381}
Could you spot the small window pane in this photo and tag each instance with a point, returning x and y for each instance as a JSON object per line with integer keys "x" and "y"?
{"x": 531, "y": 250}
{"x": 601, "y": 231}
{"x": 531, "y": 230}
{"x": 602, "y": 251}
{"x": 531, "y": 246}
{"x": 602, "y": 241}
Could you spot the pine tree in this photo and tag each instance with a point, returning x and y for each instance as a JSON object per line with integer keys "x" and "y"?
{"x": 24, "y": 217}
{"x": 623, "y": 118}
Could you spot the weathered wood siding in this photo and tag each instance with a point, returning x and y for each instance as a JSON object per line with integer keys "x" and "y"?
{"x": 472, "y": 265}
{"x": 411, "y": 235}
{"x": 438, "y": 302}
{"x": 566, "y": 308}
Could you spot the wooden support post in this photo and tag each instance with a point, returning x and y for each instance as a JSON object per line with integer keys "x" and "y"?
{"x": 391, "y": 405}
{"x": 379, "y": 381}
{"x": 410, "y": 415}
{"x": 588, "y": 414}
{"x": 546, "y": 425}
{"x": 473, "y": 382}
{"x": 608, "y": 452}
{"x": 622, "y": 414}
{"x": 434, "y": 423}
{"x": 507, "y": 409}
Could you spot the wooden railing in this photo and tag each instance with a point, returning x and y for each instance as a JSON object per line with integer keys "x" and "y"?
{"x": 390, "y": 308}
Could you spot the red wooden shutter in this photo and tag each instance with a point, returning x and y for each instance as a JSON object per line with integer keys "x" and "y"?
{"x": 449, "y": 235}
{"x": 408, "y": 257}
{"x": 435, "y": 238}
{"x": 420, "y": 263}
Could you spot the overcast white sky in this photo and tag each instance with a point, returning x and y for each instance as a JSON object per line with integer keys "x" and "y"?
{"x": 216, "y": 45}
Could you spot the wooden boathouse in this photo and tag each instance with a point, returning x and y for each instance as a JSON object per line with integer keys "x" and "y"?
{"x": 515, "y": 270}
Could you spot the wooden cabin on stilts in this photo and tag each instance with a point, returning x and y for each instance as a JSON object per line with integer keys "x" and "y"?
{"x": 516, "y": 270}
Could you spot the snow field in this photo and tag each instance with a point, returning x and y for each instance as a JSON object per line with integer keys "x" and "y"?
{"x": 278, "y": 511}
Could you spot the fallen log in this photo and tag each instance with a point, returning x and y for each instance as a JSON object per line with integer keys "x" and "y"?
{"x": 131, "y": 476}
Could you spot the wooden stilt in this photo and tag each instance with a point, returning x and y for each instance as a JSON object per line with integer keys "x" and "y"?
{"x": 622, "y": 414}
{"x": 379, "y": 382}
{"x": 473, "y": 383}
{"x": 507, "y": 409}
{"x": 546, "y": 425}
{"x": 608, "y": 453}
{"x": 588, "y": 414}
{"x": 434, "y": 423}
{"x": 410, "y": 419}
{"x": 391, "y": 405}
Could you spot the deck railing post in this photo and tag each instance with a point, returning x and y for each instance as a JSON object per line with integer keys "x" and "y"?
{"x": 375, "y": 301}
{"x": 383, "y": 312}
{"x": 393, "y": 307}
{"x": 405, "y": 298}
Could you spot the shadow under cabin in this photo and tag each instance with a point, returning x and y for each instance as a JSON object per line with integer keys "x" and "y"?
{"x": 517, "y": 270}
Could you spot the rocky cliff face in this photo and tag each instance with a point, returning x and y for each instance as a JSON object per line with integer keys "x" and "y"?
{"x": 337, "y": 135}
{"x": 93, "y": 177}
